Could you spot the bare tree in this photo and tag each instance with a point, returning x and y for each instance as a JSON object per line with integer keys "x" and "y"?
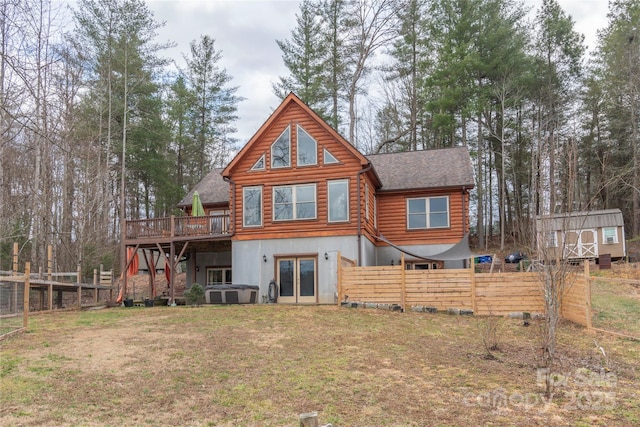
{"x": 372, "y": 30}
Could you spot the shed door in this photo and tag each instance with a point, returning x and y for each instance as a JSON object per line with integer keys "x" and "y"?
{"x": 581, "y": 244}
{"x": 296, "y": 277}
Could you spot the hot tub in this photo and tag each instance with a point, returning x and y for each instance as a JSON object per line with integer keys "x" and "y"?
{"x": 231, "y": 294}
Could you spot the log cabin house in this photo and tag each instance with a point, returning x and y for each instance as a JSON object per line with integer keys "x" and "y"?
{"x": 298, "y": 194}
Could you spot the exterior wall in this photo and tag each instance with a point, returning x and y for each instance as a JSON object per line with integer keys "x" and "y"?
{"x": 392, "y": 219}
{"x": 249, "y": 267}
{"x": 388, "y": 253}
{"x": 202, "y": 261}
{"x": 368, "y": 252}
{"x": 616, "y": 250}
{"x": 318, "y": 174}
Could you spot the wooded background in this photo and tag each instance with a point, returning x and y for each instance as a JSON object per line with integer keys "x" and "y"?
{"x": 90, "y": 107}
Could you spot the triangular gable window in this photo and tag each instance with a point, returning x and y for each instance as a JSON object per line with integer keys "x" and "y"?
{"x": 281, "y": 150}
{"x": 259, "y": 165}
{"x": 329, "y": 158}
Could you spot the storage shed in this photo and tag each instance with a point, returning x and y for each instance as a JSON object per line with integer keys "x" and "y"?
{"x": 582, "y": 235}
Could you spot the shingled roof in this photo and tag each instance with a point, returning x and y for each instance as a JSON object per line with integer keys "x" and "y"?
{"x": 212, "y": 189}
{"x": 409, "y": 170}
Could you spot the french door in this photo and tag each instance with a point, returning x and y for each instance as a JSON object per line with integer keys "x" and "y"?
{"x": 296, "y": 277}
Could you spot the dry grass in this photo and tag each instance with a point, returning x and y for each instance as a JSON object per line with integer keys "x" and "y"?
{"x": 616, "y": 304}
{"x": 263, "y": 365}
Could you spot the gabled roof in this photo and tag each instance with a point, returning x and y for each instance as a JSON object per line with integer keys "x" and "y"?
{"x": 413, "y": 170}
{"x": 581, "y": 220}
{"x": 212, "y": 189}
{"x": 290, "y": 99}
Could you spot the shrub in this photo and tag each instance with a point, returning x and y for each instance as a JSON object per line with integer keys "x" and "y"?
{"x": 195, "y": 294}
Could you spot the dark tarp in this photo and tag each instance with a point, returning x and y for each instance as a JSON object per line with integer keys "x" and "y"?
{"x": 457, "y": 252}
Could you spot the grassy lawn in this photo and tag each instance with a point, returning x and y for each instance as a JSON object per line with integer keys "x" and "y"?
{"x": 616, "y": 305}
{"x": 264, "y": 365}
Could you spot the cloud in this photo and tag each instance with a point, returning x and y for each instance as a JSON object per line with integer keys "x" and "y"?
{"x": 246, "y": 33}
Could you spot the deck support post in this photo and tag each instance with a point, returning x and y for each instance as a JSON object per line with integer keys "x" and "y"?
{"x": 172, "y": 273}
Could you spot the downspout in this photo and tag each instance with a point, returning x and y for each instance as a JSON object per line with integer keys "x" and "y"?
{"x": 232, "y": 205}
{"x": 464, "y": 217}
{"x": 365, "y": 170}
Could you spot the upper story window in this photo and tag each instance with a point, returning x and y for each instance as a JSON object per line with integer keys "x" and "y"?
{"x": 281, "y": 150}
{"x": 610, "y": 235}
{"x": 428, "y": 212}
{"x": 292, "y": 202}
{"x": 307, "y": 148}
{"x": 329, "y": 158}
{"x": 259, "y": 165}
{"x": 366, "y": 201}
{"x": 252, "y": 206}
{"x": 338, "y": 200}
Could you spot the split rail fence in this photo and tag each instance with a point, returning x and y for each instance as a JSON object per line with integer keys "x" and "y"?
{"x": 483, "y": 293}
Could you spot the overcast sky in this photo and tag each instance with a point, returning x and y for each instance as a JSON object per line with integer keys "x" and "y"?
{"x": 245, "y": 32}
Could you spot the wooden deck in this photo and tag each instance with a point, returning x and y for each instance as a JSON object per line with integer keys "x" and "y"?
{"x": 181, "y": 227}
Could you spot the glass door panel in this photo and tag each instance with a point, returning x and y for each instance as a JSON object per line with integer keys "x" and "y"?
{"x": 307, "y": 280}
{"x": 286, "y": 280}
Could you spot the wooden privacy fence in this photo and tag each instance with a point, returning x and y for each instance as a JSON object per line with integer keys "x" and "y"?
{"x": 484, "y": 294}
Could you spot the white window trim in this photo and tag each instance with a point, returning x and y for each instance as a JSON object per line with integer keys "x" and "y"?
{"x": 255, "y": 166}
{"x": 326, "y": 152}
{"x": 288, "y": 165}
{"x": 315, "y": 148}
{"x": 244, "y": 216}
{"x": 336, "y": 181}
{"x": 615, "y": 236}
{"x": 551, "y": 243}
{"x": 428, "y": 225}
{"x": 223, "y": 270}
{"x": 294, "y": 195}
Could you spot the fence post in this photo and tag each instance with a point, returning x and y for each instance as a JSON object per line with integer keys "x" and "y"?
{"x": 473, "y": 287}
{"x": 309, "y": 419}
{"x": 15, "y": 259}
{"x": 587, "y": 284}
{"x": 95, "y": 289}
{"x": 403, "y": 284}
{"x": 78, "y": 281}
{"x": 27, "y": 287}
{"x": 339, "y": 260}
{"x": 49, "y": 263}
{"x": 14, "y": 272}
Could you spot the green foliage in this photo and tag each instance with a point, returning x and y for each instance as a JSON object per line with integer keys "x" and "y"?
{"x": 305, "y": 56}
{"x": 195, "y": 294}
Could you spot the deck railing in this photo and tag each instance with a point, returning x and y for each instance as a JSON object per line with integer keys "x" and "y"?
{"x": 178, "y": 226}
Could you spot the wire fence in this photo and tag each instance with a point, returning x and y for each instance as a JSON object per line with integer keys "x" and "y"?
{"x": 12, "y": 314}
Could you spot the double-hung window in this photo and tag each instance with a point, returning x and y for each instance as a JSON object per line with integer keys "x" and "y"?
{"x": 252, "y": 206}
{"x": 428, "y": 212}
{"x": 291, "y": 202}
